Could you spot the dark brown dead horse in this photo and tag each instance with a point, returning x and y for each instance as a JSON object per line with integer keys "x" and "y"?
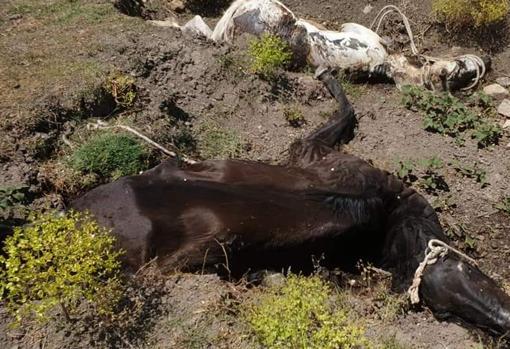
{"x": 324, "y": 202}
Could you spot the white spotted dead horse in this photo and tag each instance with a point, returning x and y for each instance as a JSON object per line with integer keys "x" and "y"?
{"x": 324, "y": 201}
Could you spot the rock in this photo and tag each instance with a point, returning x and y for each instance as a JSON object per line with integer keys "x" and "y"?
{"x": 367, "y": 9}
{"x": 503, "y": 81}
{"x": 504, "y": 108}
{"x": 273, "y": 280}
{"x": 177, "y": 6}
{"x": 506, "y": 124}
{"x": 496, "y": 91}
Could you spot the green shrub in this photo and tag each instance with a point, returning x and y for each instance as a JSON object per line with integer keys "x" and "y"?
{"x": 57, "y": 261}
{"x": 463, "y": 13}
{"x": 268, "y": 53}
{"x": 448, "y": 115}
{"x": 122, "y": 88}
{"x": 301, "y": 314}
{"x": 110, "y": 155}
{"x": 218, "y": 143}
{"x": 294, "y": 116}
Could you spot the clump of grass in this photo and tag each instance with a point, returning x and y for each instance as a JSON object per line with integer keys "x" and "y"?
{"x": 216, "y": 142}
{"x": 294, "y": 116}
{"x": 464, "y": 13}
{"x": 475, "y": 172}
{"x": 302, "y": 314}
{"x": 56, "y": 261}
{"x": 110, "y": 155}
{"x": 448, "y": 115}
{"x": 268, "y": 54}
{"x": 122, "y": 88}
{"x": 504, "y": 205}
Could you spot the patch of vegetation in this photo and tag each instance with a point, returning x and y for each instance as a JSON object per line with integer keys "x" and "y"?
{"x": 405, "y": 170}
{"x": 63, "y": 12}
{"x": 13, "y": 205}
{"x": 393, "y": 343}
{"x": 431, "y": 180}
{"x": 294, "y": 116}
{"x": 474, "y": 172}
{"x": 122, "y": 88}
{"x": 58, "y": 261}
{"x": 301, "y": 314}
{"x": 110, "y": 155}
{"x": 464, "y": 13}
{"x": 448, "y": 115}
{"x": 425, "y": 172}
{"x": 215, "y": 142}
{"x": 352, "y": 89}
{"x": 268, "y": 54}
{"x": 504, "y": 205}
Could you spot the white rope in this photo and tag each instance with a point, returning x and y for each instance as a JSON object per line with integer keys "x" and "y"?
{"x": 427, "y": 60}
{"x": 391, "y": 9}
{"x": 103, "y": 125}
{"x": 435, "y": 250}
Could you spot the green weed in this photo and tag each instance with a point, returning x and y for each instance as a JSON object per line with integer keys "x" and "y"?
{"x": 110, "y": 155}
{"x": 268, "y": 54}
{"x": 448, "y": 115}
{"x": 57, "y": 261}
{"x": 504, "y": 205}
{"x": 301, "y": 314}
{"x": 474, "y": 172}
{"x": 122, "y": 88}
{"x": 294, "y": 116}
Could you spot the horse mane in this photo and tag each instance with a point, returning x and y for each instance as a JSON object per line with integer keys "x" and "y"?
{"x": 360, "y": 209}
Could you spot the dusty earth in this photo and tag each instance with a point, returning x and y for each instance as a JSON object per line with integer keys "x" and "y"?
{"x": 53, "y": 61}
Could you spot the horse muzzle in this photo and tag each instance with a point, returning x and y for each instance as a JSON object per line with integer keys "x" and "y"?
{"x": 454, "y": 288}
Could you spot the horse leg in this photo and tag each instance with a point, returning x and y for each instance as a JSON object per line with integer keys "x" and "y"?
{"x": 338, "y": 129}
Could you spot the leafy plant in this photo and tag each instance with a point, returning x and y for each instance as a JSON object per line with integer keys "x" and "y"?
{"x": 300, "y": 314}
{"x": 404, "y": 170}
{"x": 475, "y": 172}
{"x": 268, "y": 53}
{"x": 432, "y": 181}
{"x": 463, "y": 13}
{"x": 448, "y": 115}
{"x": 58, "y": 261}
{"x": 294, "y": 116}
{"x": 504, "y": 205}
{"x": 12, "y": 197}
{"x": 110, "y": 155}
{"x": 13, "y": 204}
{"x": 487, "y": 133}
{"x": 122, "y": 88}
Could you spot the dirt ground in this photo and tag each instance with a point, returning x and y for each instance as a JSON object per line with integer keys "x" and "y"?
{"x": 52, "y": 65}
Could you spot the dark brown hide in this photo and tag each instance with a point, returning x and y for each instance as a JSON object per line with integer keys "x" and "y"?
{"x": 192, "y": 216}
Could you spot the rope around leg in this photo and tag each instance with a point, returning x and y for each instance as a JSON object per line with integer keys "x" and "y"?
{"x": 435, "y": 250}
{"x": 428, "y": 60}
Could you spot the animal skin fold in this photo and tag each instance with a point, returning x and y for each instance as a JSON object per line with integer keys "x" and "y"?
{"x": 354, "y": 48}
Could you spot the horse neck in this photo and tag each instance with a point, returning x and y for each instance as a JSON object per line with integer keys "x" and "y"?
{"x": 409, "y": 228}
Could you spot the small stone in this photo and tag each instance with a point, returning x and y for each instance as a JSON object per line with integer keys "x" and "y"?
{"x": 368, "y": 9}
{"x": 273, "y": 280}
{"x": 504, "y": 108}
{"x": 496, "y": 91}
{"x": 177, "y": 6}
{"x": 503, "y": 81}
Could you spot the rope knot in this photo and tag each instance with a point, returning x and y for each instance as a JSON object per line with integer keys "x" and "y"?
{"x": 435, "y": 249}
